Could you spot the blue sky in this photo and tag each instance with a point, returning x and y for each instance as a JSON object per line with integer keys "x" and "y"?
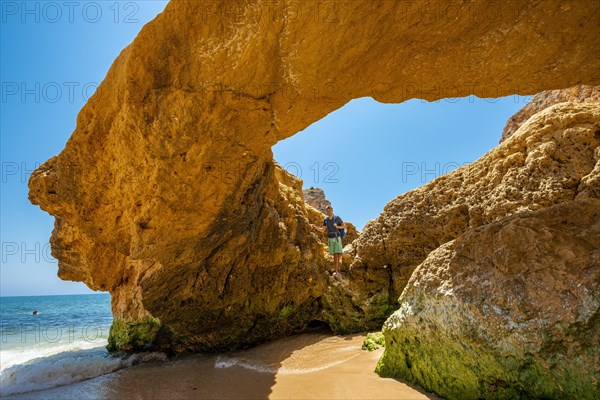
{"x": 54, "y": 54}
{"x": 367, "y": 153}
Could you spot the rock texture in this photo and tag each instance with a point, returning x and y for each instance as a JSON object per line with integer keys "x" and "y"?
{"x": 547, "y": 98}
{"x": 554, "y": 157}
{"x": 315, "y": 197}
{"x": 506, "y": 311}
{"x": 510, "y": 307}
{"x": 212, "y": 302}
{"x": 166, "y": 194}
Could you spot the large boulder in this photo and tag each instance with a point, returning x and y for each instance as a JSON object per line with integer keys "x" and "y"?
{"x": 506, "y": 311}
{"x": 552, "y": 158}
{"x": 509, "y": 307}
{"x": 166, "y": 194}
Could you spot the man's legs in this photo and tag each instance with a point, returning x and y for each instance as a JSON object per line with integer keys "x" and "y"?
{"x": 336, "y": 261}
{"x": 335, "y": 248}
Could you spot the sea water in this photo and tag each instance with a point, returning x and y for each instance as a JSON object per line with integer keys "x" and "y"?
{"x": 59, "y": 353}
{"x": 47, "y": 341}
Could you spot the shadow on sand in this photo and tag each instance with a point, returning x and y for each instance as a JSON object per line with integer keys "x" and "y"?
{"x": 315, "y": 365}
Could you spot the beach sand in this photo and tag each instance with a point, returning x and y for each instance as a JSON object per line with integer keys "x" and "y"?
{"x": 306, "y": 366}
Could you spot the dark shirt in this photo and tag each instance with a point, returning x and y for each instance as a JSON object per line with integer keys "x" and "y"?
{"x": 331, "y": 230}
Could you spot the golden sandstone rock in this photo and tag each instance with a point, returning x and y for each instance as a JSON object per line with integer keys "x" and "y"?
{"x": 166, "y": 194}
{"x": 580, "y": 93}
{"x": 554, "y": 158}
{"x": 316, "y": 198}
{"x": 507, "y": 311}
{"x": 506, "y": 304}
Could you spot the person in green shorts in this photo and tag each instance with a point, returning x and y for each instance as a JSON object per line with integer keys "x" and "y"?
{"x": 333, "y": 223}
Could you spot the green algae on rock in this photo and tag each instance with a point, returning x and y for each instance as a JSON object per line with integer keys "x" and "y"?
{"x": 355, "y": 304}
{"x": 373, "y": 341}
{"x": 129, "y": 335}
{"x": 506, "y": 311}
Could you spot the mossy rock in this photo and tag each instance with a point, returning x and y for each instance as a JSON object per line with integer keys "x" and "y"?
{"x": 130, "y": 335}
{"x": 286, "y": 311}
{"x": 348, "y": 313}
{"x": 464, "y": 369}
{"x": 373, "y": 341}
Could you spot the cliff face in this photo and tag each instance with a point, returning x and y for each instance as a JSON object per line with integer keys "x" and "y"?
{"x": 221, "y": 293}
{"x": 553, "y": 159}
{"x": 166, "y": 194}
{"x": 547, "y": 98}
{"x": 509, "y": 308}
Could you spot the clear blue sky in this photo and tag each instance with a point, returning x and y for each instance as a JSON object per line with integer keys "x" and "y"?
{"x": 54, "y": 54}
{"x": 367, "y": 153}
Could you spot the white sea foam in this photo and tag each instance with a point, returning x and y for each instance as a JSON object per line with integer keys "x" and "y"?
{"x": 21, "y": 355}
{"x": 61, "y": 366}
{"x": 228, "y": 362}
{"x": 278, "y": 368}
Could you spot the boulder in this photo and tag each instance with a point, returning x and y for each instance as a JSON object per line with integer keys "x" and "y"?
{"x": 552, "y": 158}
{"x": 509, "y": 310}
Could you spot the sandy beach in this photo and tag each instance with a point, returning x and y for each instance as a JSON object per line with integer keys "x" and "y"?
{"x": 307, "y": 366}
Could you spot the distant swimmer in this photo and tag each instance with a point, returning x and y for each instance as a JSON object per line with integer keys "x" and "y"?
{"x": 35, "y": 312}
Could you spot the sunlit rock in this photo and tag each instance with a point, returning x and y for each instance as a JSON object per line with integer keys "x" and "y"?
{"x": 166, "y": 194}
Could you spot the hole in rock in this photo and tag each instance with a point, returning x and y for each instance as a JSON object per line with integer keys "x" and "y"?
{"x": 366, "y": 153}
{"x": 318, "y": 326}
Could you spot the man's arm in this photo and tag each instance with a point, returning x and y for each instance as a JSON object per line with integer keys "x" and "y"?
{"x": 319, "y": 228}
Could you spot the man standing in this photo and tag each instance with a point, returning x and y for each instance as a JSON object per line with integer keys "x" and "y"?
{"x": 333, "y": 223}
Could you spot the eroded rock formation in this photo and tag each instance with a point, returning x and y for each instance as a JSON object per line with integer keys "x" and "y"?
{"x": 232, "y": 295}
{"x": 506, "y": 311}
{"x": 547, "y": 98}
{"x": 554, "y": 158}
{"x": 510, "y": 308}
{"x": 166, "y": 194}
{"x": 316, "y": 198}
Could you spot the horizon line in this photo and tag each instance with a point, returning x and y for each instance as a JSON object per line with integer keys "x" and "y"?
{"x": 49, "y": 295}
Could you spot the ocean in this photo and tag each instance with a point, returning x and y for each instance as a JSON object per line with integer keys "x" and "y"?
{"x": 59, "y": 354}
{"x": 47, "y": 341}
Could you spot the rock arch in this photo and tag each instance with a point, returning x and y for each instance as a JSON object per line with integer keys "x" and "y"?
{"x": 166, "y": 194}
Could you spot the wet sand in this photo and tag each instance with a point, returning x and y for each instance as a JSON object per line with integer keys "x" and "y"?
{"x": 307, "y": 366}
